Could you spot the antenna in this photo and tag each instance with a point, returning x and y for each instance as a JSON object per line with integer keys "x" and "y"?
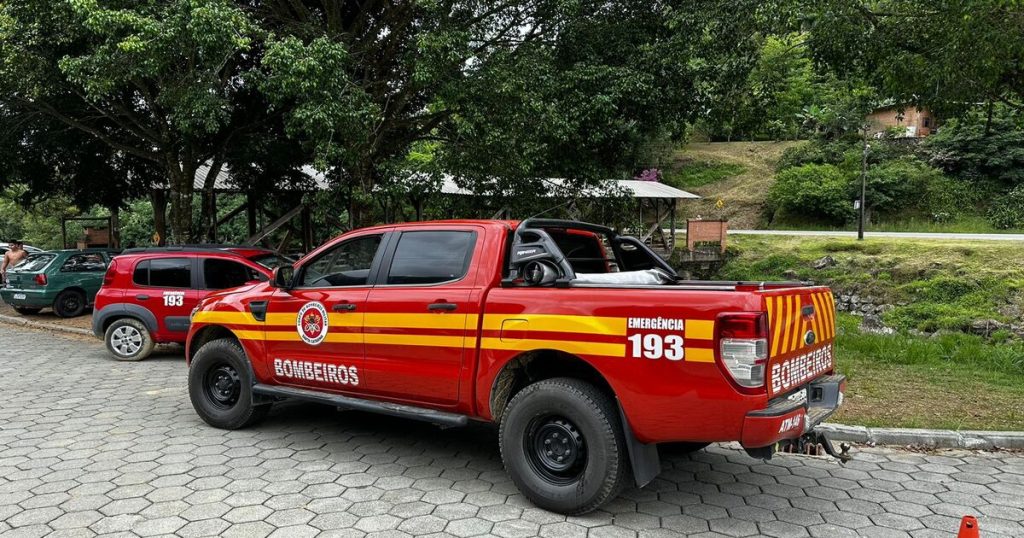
{"x": 550, "y": 209}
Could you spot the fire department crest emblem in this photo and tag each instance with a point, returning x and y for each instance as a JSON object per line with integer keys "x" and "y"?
{"x": 311, "y": 323}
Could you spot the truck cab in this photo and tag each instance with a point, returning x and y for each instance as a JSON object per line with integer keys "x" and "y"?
{"x": 580, "y": 343}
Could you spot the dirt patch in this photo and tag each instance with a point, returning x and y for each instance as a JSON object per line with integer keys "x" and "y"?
{"x": 743, "y": 196}
{"x": 47, "y": 316}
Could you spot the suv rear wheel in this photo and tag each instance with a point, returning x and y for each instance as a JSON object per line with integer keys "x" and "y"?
{"x": 220, "y": 386}
{"x": 128, "y": 339}
{"x": 563, "y": 446}
{"x": 69, "y": 303}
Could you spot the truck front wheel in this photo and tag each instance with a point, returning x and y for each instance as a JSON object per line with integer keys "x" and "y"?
{"x": 563, "y": 446}
{"x": 220, "y": 386}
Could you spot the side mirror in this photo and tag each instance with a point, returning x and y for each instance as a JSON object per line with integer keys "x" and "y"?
{"x": 284, "y": 276}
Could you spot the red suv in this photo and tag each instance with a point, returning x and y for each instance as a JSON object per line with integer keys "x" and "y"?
{"x": 148, "y": 294}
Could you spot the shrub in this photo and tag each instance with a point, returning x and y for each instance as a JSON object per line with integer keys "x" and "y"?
{"x": 813, "y": 190}
{"x": 974, "y": 148}
{"x": 1008, "y": 211}
{"x": 896, "y": 185}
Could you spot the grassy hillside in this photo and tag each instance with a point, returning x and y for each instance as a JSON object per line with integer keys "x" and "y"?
{"x": 923, "y": 375}
{"x": 738, "y": 173}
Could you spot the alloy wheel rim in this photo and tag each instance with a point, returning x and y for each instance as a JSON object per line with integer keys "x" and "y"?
{"x": 126, "y": 340}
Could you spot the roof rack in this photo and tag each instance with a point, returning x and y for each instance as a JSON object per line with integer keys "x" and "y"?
{"x": 187, "y": 248}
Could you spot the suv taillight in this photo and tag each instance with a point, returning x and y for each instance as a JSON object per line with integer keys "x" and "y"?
{"x": 742, "y": 339}
{"x": 108, "y": 277}
{"x": 41, "y": 279}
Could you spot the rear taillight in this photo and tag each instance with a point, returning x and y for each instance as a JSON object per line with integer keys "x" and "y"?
{"x": 743, "y": 346}
{"x": 40, "y": 279}
{"x": 108, "y": 277}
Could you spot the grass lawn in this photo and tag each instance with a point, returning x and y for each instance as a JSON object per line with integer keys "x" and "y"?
{"x": 954, "y": 382}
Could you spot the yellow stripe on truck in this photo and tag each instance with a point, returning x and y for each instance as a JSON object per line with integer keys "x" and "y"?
{"x": 561, "y": 323}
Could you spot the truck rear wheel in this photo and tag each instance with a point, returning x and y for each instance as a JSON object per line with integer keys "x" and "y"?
{"x": 220, "y": 386}
{"x": 563, "y": 446}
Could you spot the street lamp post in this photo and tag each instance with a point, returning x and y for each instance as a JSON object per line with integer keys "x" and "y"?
{"x": 863, "y": 186}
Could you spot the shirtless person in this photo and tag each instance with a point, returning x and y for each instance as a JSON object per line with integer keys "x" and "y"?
{"x": 12, "y": 258}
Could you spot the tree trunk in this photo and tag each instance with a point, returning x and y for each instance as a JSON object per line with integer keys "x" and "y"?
{"x": 181, "y": 175}
{"x": 159, "y": 199}
{"x": 209, "y": 201}
{"x": 363, "y": 178}
{"x": 115, "y": 226}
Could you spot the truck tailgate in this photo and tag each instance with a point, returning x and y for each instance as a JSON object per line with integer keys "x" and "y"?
{"x": 802, "y": 327}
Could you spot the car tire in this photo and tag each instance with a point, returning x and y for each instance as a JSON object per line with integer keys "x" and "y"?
{"x": 563, "y": 446}
{"x": 69, "y": 303}
{"x": 128, "y": 339}
{"x": 220, "y": 384}
{"x": 27, "y": 310}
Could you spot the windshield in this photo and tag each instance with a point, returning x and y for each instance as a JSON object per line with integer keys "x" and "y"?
{"x": 270, "y": 261}
{"x": 35, "y": 262}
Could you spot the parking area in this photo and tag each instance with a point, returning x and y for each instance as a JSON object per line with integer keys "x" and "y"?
{"x": 91, "y": 446}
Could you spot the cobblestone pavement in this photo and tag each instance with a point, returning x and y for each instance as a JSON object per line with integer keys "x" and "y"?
{"x": 90, "y": 446}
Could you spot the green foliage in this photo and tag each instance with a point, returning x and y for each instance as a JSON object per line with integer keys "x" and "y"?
{"x": 699, "y": 173}
{"x": 896, "y": 185}
{"x": 886, "y": 41}
{"x": 977, "y": 148}
{"x": 1008, "y": 211}
{"x": 963, "y": 350}
{"x": 812, "y": 190}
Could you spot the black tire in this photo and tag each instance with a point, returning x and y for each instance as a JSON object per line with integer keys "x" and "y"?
{"x": 587, "y": 465}
{"x": 220, "y": 386}
{"x": 27, "y": 310}
{"x": 69, "y": 303}
{"x": 128, "y": 339}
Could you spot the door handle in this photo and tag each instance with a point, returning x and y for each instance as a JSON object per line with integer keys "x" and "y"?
{"x": 442, "y": 307}
{"x": 142, "y": 297}
{"x": 343, "y": 307}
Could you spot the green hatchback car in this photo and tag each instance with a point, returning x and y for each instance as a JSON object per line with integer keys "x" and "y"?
{"x": 65, "y": 280}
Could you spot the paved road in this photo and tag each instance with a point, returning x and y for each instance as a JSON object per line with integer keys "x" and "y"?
{"x": 887, "y": 235}
{"x": 92, "y": 446}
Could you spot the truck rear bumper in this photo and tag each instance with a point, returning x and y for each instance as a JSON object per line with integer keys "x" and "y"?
{"x": 791, "y": 416}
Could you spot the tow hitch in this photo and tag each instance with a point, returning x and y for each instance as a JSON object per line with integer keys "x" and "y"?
{"x": 815, "y": 443}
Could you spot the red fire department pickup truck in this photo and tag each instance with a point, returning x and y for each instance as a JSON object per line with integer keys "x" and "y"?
{"x": 582, "y": 345}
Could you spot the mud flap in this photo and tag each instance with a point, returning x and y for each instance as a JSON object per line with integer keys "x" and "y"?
{"x": 643, "y": 458}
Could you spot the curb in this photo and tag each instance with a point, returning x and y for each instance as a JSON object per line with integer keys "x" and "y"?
{"x": 48, "y": 326}
{"x": 965, "y": 439}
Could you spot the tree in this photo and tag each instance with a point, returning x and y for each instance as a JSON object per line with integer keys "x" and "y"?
{"x": 153, "y": 81}
{"x": 513, "y": 90}
{"x": 947, "y": 54}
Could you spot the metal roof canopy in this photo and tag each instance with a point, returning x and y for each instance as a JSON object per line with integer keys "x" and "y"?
{"x": 636, "y": 189}
{"x": 225, "y": 183}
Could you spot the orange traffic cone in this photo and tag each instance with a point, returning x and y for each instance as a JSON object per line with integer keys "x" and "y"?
{"x": 968, "y": 528}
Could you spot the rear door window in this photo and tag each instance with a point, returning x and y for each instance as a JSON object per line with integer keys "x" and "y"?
{"x": 164, "y": 273}
{"x": 221, "y": 274}
{"x": 431, "y": 257}
{"x": 89, "y": 263}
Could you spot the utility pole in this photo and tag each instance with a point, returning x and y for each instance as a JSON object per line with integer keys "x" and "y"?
{"x": 863, "y": 185}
